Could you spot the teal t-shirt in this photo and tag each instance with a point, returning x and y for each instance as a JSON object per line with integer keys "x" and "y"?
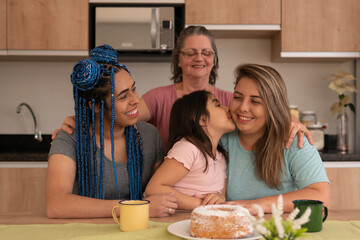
{"x": 303, "y": 167}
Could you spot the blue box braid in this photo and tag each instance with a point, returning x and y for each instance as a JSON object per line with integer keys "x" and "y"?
{"x": 102, "y": 146}
{"x": 112, "y": 128}
{"x": 96, "y": 192}
{"x": 88, "y": 149}
{"x": 85, "y": 76}
{"x": 135, "y": 168}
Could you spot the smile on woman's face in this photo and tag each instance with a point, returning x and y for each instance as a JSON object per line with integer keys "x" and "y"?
{"x": 126, "y": 100}
{"x": 196, "y": 66}
{"x": 247, "y": 108}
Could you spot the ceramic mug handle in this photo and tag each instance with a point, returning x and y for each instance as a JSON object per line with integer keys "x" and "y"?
{"x": 118, "y": 219}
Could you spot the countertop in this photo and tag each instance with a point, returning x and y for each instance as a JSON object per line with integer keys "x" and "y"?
{"x": 24, "y": 157}
{"x": 23, "y": 148}
{"x": 42, "y": 157}
{"x": 330, "y": 157}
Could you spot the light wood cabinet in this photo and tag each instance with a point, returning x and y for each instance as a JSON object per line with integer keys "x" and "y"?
{"x": 22, "y": 190}
{"x": 232, "y": 12}
{"x": 344, "y": 184}
{"x": 318, "y": 26}
{"x": 2, "y": 24}
{"x": 235, "y": 18}
{"x": 47, "y": 24}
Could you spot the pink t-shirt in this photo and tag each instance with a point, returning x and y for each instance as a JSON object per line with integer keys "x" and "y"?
{"x": 160, "y": 100}
{"x": 196, "y": 181}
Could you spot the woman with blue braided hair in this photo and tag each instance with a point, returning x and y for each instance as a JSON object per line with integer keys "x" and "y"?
{"x": 111, "y": 156}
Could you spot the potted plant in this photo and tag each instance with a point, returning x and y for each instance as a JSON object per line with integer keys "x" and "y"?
{"x": 339, "y": 83}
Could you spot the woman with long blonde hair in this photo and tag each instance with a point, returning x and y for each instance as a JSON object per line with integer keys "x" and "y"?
{"x": 260, "y": 166}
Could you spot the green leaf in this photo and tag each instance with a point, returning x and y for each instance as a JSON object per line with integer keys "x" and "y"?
{"x": 352, "y": 107}
{"x": 300, "y": 232}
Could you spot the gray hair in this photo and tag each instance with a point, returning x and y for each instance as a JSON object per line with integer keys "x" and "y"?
{"x": 184, "y": 34}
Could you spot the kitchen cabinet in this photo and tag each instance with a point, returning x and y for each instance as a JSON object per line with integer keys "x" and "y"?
{"x": 47, "y": 27}
{"x": 344, "y": 184}
{"x": 235, "y": 18}
{"x": 318, "y": 29}
{"x": 2, "y": 26}
{"x": 22, "y": 190}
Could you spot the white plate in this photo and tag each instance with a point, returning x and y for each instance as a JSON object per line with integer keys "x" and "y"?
{"x": 181, "y": 229}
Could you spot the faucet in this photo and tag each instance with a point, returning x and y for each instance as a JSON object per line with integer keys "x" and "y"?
{"x": 37, "y": 136}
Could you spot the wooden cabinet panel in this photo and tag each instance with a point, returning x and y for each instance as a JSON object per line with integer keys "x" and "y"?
{"x": 320, "y": 25}
{"x": 47, "y": 24}
{"x": 2, "y": 24}
{"x": 232, "y": 12}
{"x": 344, "y": 184}
{"x": 22, "y": 190}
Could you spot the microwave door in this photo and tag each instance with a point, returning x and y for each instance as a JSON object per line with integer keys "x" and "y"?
{"x": 127, "y": 28}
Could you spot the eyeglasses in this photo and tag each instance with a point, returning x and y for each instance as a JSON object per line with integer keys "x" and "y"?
{"x": 190, "y": 53}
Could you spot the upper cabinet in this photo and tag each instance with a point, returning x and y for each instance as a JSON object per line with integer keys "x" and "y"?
{"x": 318, "y": 29}
{"x": 2, "y": 26}
{"x": 235, "y": 18}
{"x": 232, "y": 12}
{"x": 46, "y": 27}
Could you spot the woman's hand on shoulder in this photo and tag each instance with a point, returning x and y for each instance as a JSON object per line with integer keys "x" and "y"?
{"x": 296, "y": 127}
{"x": 67, "y": 126}
{"x": 163, "y": 205}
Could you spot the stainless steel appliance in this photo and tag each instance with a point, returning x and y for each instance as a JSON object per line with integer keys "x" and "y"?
{"x": 136, "y": 30}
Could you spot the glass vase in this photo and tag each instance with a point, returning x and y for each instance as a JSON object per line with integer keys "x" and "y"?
{"x": 342, "y": 128}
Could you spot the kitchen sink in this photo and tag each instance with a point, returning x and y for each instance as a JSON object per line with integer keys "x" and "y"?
{"x": 24, "y": 143}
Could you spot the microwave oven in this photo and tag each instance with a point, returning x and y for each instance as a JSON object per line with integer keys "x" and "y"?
{"x": 136, "y": 31}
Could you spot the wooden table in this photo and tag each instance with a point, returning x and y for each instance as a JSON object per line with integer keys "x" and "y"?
{"x": 31, "y": 218}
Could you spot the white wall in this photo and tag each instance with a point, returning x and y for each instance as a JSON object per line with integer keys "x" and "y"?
{"x": 46, "y": 87}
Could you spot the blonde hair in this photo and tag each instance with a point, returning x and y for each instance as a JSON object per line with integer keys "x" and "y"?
{"x": 269, "y": 149}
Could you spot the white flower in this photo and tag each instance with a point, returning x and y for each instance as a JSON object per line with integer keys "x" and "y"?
{"x": 303, "y": 219}
{"x": 259, "y": 210}
{"x": 338, "y": 84}
{"x": 293, "y": 214}
{"x": 251, "y": 217}
{"x": 280, "y": 204}
{"x": 276, "y": 228}
{"x": 275, "y": 211}
{"x": 262, "y": 230}
{"x": 339, "y": 107}
{"x": 279, "y": 228}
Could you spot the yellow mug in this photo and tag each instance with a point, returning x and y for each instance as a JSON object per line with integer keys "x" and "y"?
{"x": 134, "y": 215}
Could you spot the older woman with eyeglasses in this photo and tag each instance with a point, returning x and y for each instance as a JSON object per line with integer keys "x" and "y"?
{"x": 194, "y": 67}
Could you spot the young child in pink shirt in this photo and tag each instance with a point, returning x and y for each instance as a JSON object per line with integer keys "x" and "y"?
{"x": 195, "y": 163}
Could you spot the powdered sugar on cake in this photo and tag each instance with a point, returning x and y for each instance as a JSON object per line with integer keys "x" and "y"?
{"x": 220, "y": 221}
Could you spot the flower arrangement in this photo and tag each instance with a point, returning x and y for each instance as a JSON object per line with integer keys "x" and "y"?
{"x": 338, "y": 83}
{"x": 276, "y": 228}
